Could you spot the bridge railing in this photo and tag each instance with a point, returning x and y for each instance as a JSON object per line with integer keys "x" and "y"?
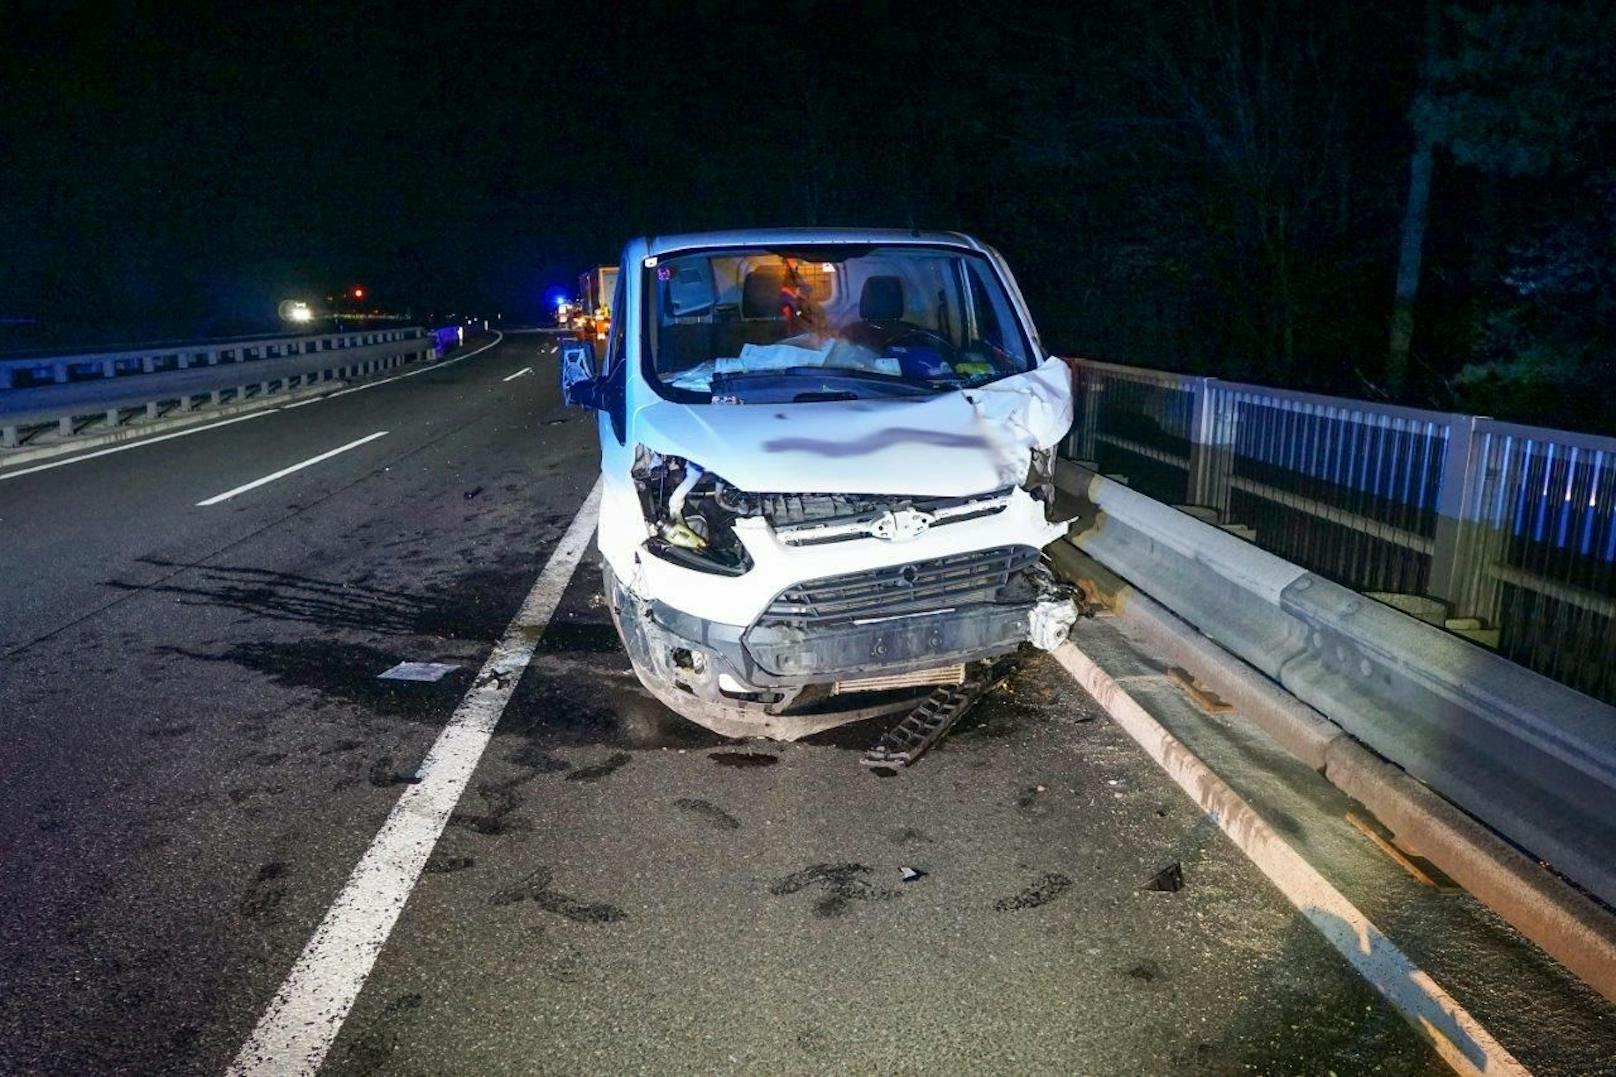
{"x": 1501, "y": 533}
{"x": 71, "y": 392}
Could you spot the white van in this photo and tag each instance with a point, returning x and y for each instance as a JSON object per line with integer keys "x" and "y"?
{"x": 828, "y": 471}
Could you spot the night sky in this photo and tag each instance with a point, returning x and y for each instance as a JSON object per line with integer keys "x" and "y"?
{"x": 192, "y": 165}
{"x": 1215, "y": 187}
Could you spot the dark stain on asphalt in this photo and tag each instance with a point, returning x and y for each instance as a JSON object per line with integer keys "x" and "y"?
{"x": 883, "y": 772}
{"x": 535, "y": 887}
{"x": 744, "y": 759}
{"x": 578, "y": 636}
{"x": 1147, "y": 970}
{"x": 843, "y": 884}
{"x": 910, "y": 835}
{"x": 344, "y": 672}
{"x": 384, "y": 774}
{"x": 537, "y": 760}
{"x": 375, "y": 1049}
{"x": 164, "y": 731}
{"x": 476, "y": 605}
{"x": 264, "y": 897}
{"x": 709, "y": 812}
{"x": 1044, "y": 889}
{"x": 500, "y": 801}
{"x": 614, "y": 762}
{"x": 438, "y": 864}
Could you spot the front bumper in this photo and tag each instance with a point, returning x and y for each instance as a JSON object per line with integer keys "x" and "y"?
{"x": 775, "y": 677}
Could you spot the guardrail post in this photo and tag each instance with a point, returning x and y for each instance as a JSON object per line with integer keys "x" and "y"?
{"x": 1456, "y": 557}
{"x": 1202, "y": 487}
{"x": 59, "y": 372}
{"x": 5, "y": 377}
{"x": 148, "y": 363}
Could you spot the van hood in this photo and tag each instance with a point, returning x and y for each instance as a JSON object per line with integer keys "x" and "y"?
{"x": 963, "y": 442}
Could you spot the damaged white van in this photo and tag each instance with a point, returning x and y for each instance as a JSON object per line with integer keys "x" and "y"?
{"x": 828, "y": 475}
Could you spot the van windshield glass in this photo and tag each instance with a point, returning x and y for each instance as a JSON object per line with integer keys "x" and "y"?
{"x": 748, "y": 325}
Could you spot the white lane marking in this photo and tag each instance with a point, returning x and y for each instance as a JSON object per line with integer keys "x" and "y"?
{"x": 285, "y": 471}
{"x": 18, "y": 473}
{"x": 307, "y": 1012}
{"x": 518, "y": 374}
{"x": 7, "y": 474}
{"x": 1458, "y": 1037}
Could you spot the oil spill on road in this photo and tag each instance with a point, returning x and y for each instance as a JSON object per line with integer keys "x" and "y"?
{"x": 709, "y": 813}
{"x": 583, "y": 708}
{"x": 536, "y": 759}
{"x": 1045, "y": 889}
{"x": 384, "y": 774}
{"x": 266, "y": 893}
{"x": 563, "y": 637}
{"x": 500, "y": 801}
{"x": 842, "y": 884}
{"x": 344, "y": 672}
{"x": 616, "y": 761}
{"x": 535, "y": 887}
{"x": 476, "y": 604}
{"x": 375, "y": 1049}
{"x": 439, "y": 864}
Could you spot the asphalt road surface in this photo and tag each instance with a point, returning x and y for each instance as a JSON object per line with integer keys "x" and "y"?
{"x": 197, "y": 753}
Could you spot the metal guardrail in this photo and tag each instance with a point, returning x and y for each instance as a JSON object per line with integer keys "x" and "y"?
{"x": 1502, "y": 533}
{"x": 71, "y": 391}
{"x": 1532, "y": 758}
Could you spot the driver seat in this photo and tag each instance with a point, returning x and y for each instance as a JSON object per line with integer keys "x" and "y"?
{"x": 880, "y": 310}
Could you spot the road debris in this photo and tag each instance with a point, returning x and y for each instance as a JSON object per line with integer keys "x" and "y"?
{"x": 473, "y": 492}
{"x": 418, "y": 671}
{"x": 924, "y": 726}
{"x": 1169, "y": 880}
{"x": 909, "y": 875}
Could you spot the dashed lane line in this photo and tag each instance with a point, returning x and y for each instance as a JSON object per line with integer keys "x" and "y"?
{"x": 285, "y": 471}
{"x": 306, "y": 1014}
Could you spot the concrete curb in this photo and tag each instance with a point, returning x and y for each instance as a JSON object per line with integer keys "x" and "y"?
{"x": 1573, "y": 929}
{"x": 1458, "y": 1038}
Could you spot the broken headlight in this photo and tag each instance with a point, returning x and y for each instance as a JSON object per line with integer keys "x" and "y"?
{"x": 686, "y": 508}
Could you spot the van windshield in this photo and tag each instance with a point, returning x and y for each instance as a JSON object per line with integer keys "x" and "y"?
{"x": 758, "y": 325}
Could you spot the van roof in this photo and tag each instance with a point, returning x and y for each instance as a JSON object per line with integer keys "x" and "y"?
{"x": 786, "y": 237}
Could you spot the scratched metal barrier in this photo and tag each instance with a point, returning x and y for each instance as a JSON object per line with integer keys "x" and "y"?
{"x": 1501, "y": 533}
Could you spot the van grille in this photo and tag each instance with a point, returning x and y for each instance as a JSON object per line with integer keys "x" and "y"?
{"x": 919, "y": 587}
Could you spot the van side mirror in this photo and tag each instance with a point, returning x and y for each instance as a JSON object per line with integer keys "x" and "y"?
{"x": 578, "y": 384}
